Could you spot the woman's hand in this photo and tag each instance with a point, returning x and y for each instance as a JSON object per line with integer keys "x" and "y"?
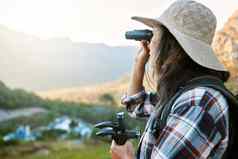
{"x": 150, "y": 48}
{"x": 144, "y": 53}
{"x": 125, "y": 151}
{"x": 137, "y": 75}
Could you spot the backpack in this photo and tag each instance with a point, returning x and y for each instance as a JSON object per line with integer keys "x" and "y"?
{"x": 217, "y": 84}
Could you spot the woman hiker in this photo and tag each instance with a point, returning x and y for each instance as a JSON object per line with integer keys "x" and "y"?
{"x": 179, "y": 51}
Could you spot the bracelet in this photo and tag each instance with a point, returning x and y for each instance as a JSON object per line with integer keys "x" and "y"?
{"x": 135, "y": 99}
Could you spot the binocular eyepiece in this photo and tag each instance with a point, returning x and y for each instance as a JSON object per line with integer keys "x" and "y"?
{"x": 139, "y": 35}
{"x": 117, "y": 130}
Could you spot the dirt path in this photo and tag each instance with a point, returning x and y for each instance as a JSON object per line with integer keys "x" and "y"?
{"x": 25, "y": 112}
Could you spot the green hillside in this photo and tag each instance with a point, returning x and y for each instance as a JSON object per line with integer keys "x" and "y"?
{"x": 11, "y": 99}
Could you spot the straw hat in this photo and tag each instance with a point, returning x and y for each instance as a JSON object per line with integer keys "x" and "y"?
{"x": 194, "y": 26}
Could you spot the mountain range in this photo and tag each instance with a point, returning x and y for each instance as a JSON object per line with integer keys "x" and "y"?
{"x": 35, "y": 64}
{"x": 225, "y": 46}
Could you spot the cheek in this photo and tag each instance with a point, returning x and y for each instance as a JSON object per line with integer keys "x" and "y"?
{"x": 154, "y": 45}
{"x": 152, "y": 52}
{"x": 153, "y": 49}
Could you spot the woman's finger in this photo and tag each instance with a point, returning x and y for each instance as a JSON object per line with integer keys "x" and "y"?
{"x": 144, "y": 43}
{"x": 113, "y": 145}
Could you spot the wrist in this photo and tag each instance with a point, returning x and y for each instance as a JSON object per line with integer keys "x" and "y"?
{"x": 141, "y": 62}
{"x": 142, "y": 57}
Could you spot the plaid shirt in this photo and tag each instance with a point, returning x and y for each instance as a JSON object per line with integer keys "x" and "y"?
{"x": 197, "y": 126}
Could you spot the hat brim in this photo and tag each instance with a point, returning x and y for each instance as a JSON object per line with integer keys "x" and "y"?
{"x": 199, "y": 51}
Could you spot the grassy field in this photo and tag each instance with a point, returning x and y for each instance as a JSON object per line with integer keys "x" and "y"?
{"x": 56, "y": 150}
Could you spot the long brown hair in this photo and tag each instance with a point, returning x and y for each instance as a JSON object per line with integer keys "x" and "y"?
{"x": 171, "y": 67}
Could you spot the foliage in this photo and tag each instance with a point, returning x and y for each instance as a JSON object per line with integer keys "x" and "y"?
{"x": 17, "y": 98}
{"x": 108, "y": 99}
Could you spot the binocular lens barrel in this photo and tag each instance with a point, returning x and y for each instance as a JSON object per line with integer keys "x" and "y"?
{"x": 139, "y": 35}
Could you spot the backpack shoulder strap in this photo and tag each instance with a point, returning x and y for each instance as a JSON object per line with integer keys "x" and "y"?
{"x": 211, "y": 82}
{"x": 203, "y": 81}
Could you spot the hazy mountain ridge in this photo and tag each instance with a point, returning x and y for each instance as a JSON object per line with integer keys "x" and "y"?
{"x": 225, "y": 45}
{"x": 32, "y": 63}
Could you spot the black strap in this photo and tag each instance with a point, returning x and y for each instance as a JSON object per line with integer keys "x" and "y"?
{"x": 204, "y": 81}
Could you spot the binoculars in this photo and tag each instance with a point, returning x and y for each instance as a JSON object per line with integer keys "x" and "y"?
{"x": 117, "y": 130}
{"x": 139, "y": 35}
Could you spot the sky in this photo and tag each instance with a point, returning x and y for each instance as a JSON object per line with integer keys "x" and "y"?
{"x": 94, "y": 21}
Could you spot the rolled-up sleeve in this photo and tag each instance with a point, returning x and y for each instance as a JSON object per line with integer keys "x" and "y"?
{"x": 141, "y": 104}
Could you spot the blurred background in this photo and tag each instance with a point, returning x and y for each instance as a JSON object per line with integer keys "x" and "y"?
{"x": 65, "y": 64}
